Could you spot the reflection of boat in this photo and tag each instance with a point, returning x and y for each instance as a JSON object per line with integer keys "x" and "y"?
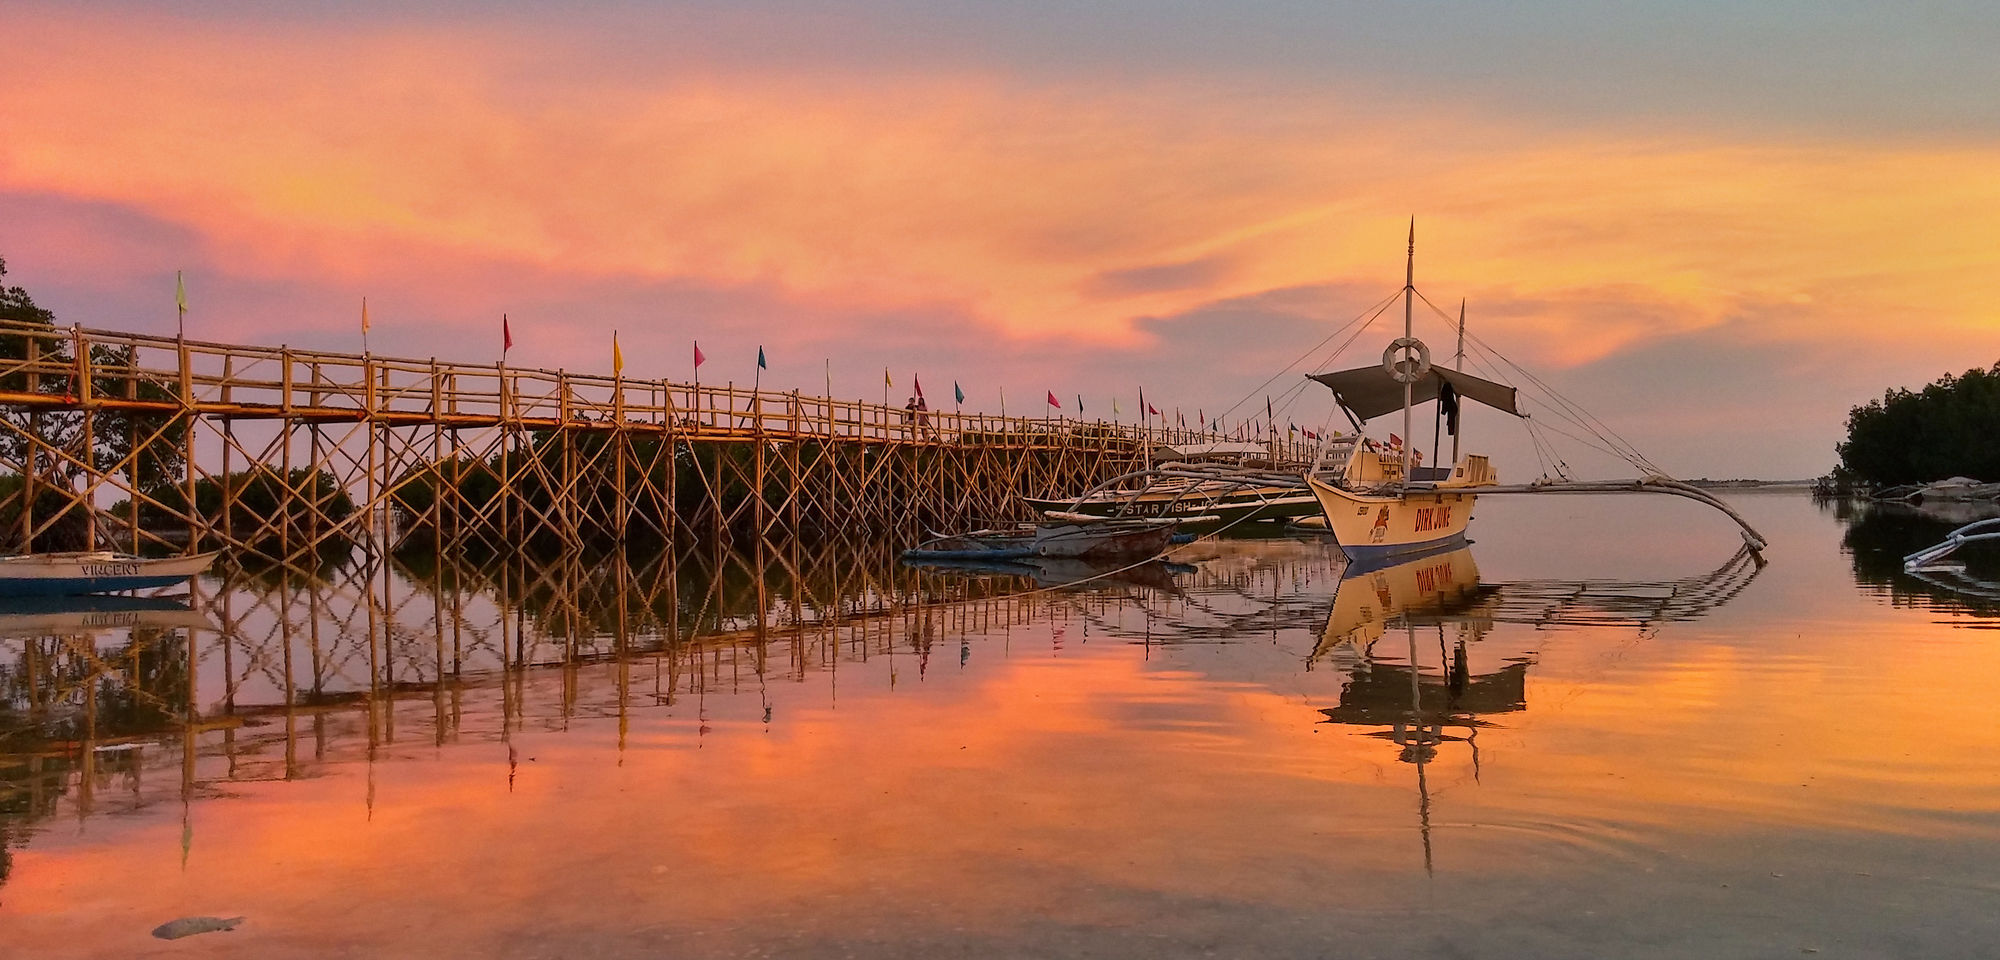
{"x": 1084, "y": 537}
{"x": 58, "y": 616}
{"x": 72, "y": 574}
{"x": 1443, "y": 588}
{"x": 1439, "y": 594}
{"x": 1367, "y": 599}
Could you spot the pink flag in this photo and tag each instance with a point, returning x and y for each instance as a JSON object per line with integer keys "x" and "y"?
{"x": 1053, "y": 402}
{"x": 506, "y": 335}
{"x": 698, "y": 358}
{"x": 920, "y": 385}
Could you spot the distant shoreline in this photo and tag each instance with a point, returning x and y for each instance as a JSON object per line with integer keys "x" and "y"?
{"x": 1708, "y": 484}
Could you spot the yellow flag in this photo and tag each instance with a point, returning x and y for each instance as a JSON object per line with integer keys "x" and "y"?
{"x": 364, "y": 314}
{"x": 885, "y": 378}
{"x": 617, "y": 357}
{"x": 180, "y": 294}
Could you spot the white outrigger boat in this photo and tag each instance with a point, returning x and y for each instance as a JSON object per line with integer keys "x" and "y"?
{"x": 97, "y": 571}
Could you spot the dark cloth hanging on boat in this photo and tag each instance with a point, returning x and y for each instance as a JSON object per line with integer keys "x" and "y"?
{"x": 1369, "y": 392}
{"x": 1448, "y": 405}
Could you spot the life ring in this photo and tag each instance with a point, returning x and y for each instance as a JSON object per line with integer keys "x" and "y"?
{"x": 1397, "y": 360}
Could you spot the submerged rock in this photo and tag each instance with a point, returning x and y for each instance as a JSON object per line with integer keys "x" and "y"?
{"x": 189, "y": 926}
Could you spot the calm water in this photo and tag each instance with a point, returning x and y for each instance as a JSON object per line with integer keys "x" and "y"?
{"x": 1599, "y": 732}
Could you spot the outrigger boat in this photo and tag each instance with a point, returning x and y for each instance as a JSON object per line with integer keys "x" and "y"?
{"x": 1185, "y": 492}
{"x": 1070, "y": 537}
{"x": 98, "y": 571}
{"x": 1377, "y": 500}
{"x": 1381, "y": 503}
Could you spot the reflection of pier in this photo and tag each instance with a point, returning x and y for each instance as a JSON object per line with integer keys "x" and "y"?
{"x": 281, "y": 673}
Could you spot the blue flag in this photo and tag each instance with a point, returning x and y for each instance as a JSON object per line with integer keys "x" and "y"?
{"x": 959, "y": 391}
{"x": 761, "y": 365}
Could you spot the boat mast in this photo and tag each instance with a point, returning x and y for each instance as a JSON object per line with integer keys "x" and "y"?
{"x": 1409, "y": 386}
{"x": 1458, "y": 363}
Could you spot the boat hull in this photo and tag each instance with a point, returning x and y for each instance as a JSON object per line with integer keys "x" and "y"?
{"x": 1217, "y": 511}
{"x": 1371, "y": 528}
{"x": 1107, "y": 540}
{"x": 78, "y": 575}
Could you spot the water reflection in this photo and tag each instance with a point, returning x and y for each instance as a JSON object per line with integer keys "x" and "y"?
{"x": 1879, "y": 535}
{"x": 814, "y": 751}
{"x": 276, "y": 672}
{"x": 1439, "y": 597}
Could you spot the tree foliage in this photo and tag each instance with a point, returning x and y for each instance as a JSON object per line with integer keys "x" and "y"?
{"x": 1949, "y": 428}
{"x": 56, "y": 437}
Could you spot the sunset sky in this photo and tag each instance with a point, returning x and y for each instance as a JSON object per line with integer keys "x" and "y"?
{"x": 1716, "y": 226}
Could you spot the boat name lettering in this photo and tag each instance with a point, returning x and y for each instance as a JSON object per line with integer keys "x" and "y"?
{"x": 114, "y": 618}
{"x": 1433, "y": 518}
{"x": 1429, "y": 577}
{"x": 127, "y": 569}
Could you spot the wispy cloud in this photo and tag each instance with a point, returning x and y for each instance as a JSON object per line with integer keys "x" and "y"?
{"x": 1034, "y": 223}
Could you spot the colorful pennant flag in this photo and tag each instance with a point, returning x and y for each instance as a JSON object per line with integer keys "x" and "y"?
{"x": 885, "y": 378}
{"x": 761, "y": 365}
{"x": 617, "y": 357}
{"x": 1114, "y": 405}
{"x": 1053, "y": 402}
{"x": 699, "y": 357}
{"x": 364, "y": 316}
{"x": 1153, "y": 411}
{"x": 919, "y": 381}
{"x": 506, "y": 336}
{"x": 181, "y": 297}
{"x": 958, "y": 391}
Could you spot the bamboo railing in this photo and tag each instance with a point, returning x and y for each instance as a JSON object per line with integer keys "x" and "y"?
{"x": 578, "y": 455}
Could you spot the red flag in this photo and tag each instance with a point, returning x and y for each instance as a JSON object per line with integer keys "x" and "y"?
{"x": 1201, "y": 417}
{"x": 698, "y": 358}
{"x": 506, "y": 335}
{"x": 1053, "y": 402}
{"x": 1152, "y": 411}
{"x": 1395, "y": 441}
{"x": 920, "y": 385}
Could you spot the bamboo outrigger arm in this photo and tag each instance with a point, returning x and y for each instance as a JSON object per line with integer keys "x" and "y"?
{"x": 1654, "y": 484}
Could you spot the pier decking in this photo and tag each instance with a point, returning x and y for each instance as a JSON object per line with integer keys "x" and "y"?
{"x": 160, "y": 442}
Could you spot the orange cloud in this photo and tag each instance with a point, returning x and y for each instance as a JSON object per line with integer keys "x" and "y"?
{"x": 1039, "y": 208}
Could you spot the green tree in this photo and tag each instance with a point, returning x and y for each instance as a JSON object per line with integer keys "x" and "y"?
{"x": 1951, "y": 427}
{"x": 32, "y": 361}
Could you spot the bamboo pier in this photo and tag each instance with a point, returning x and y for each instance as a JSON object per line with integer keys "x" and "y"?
{"x": 152, "y": 443}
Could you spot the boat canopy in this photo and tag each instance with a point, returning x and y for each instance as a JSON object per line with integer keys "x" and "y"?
{"x": 1370, "y": 392}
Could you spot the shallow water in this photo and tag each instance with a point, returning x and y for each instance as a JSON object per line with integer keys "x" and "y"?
{"x": 1622, "y": 738}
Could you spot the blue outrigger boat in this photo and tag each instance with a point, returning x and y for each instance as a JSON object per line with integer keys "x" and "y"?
{"x": 98, "y": 571}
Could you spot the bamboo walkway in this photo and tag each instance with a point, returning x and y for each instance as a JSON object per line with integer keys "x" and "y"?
{"x": 169, "y": 444}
